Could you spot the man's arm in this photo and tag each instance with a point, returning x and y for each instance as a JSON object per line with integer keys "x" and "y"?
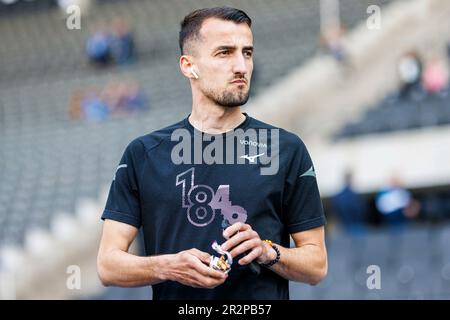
{"x": 115, "y": 266}
{"x": 307, "y": 262}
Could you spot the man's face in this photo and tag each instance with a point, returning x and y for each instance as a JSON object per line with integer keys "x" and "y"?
{"x": 224, "y": 60}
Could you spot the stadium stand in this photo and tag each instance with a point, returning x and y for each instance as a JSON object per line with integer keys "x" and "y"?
{"x": 394, "y": 114}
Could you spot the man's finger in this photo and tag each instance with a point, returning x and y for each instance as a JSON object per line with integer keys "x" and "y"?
{"x": 245, "y": 246}
{"x": 237, "y": 239}
{"x": 231, "y": 230}
{"x": 210, "y": 272}
{"x": 251, "y": 256}
{"x": 208, "y": 282}
{"x": 203, "y": 256}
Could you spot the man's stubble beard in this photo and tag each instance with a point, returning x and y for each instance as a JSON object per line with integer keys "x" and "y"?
{"x": 228, "y": 98}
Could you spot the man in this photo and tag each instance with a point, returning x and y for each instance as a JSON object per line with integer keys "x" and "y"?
{"x": 183, "y": 207}
{"x": 350, "y": 208}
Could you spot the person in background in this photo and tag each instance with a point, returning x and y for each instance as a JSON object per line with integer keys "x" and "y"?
{"x": 94, "y": 108}
{"x": 98, "y": 46}
{"x": 435, "y": 77}
{"x": 349, "y": 208}
{"x": 396, "y": 205}
{"x": 134, "y": 99}
{"x": 75, "y": 104}
{"x": 122, "y": 42}
{"x": 410, "y": 71}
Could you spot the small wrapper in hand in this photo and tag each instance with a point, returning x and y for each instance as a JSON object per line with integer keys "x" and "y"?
{"x": 224, "y": 262}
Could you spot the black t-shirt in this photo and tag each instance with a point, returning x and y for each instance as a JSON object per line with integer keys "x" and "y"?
{"x": 185, "y": 205}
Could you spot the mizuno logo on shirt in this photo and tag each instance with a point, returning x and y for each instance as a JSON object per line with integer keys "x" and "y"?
{"x": 251, "y": 158}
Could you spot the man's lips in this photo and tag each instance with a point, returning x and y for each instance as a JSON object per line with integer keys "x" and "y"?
{"x": 239, "y": 81}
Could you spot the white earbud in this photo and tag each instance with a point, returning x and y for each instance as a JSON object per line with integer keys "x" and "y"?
{"x": 194, "y": 73}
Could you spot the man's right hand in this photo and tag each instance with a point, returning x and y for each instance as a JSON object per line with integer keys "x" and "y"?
{"x": 191, "y": 268}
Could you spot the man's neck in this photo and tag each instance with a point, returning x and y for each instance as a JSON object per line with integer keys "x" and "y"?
{"x": 214, "y": 119}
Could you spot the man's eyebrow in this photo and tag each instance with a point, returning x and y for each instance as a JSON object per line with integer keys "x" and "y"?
{"x": 232, "y": 48}
{"x": 225, "y": 48}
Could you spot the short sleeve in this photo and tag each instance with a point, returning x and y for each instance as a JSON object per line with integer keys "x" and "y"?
{"x": 123, "y": 203}
{"x": 302, "y": 206}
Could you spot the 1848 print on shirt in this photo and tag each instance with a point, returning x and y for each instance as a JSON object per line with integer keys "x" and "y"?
{"x": 202, "y": 202}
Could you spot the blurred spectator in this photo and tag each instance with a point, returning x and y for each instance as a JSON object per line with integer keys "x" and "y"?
{"x": 396, "y": 205}
{"x": 133, "y": 98}
{"x": 350, "y": 208}
{"x": 410, "y": 71}
{"x": 98, "y": 46}
{"x": 435, "y": 76}
{"x": 111, "y": 43}
{"x": 75, "y": 105}
{"x": 124, "y": 96}
{"x": 93, "y": 108}
{"x": 122, "y": 42}
{"x": 117, "y": 97}
{"x": 111, "y": 94}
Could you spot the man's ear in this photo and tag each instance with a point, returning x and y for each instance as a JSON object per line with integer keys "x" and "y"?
{"x": 186, "y": 67}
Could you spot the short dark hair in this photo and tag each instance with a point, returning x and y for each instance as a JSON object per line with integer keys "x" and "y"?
{"x": 191, "y": 24}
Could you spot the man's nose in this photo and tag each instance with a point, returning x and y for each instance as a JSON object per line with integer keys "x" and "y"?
{"x": 239, "y": 65}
